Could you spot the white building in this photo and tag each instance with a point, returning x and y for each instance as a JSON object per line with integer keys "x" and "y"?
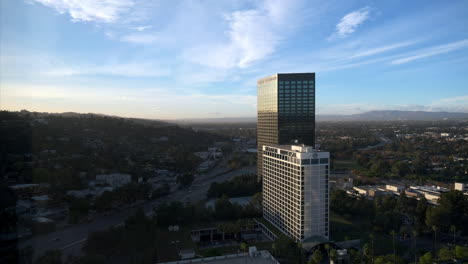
{"x": 394, "y": 188}
{"x": 461, "y": 186}
{"x": 114, "y": 179}
{"x": 295, "y": 190}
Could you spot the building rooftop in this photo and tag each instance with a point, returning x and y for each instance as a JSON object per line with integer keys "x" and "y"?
{"x": 295, "y": 148}
{"x": 41, "y": 219}
{"x": 18, "y": 186}
{"x": 40, "y": 198}
{"x": 260, "y": 257}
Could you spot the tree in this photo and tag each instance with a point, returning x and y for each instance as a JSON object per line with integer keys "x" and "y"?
{"x": 51, "y": 257}
{"x": 366, "y": 251}
{"x": 327, "y": 248}
{"x": 453, "y": 229}
{"x": 394, "y": 249}
{"x": 212, "y": 252}
{"x": 27, "y": 254}
{"x": 244, "y": 247}
{"x": 371, "y": 236}
{"x": 414, "y": 246}
{"x": 316, "y": 257}
{"x": 426, "y": 259}
{"x": 445, "y": 253}
{"x": 79, "y": 208}
{"x": 355, "y": 257}
{"x": 185, "y": 180}
{"x": 299, "y": 248}
{"x": 461, "y": 252}
{"x": 333, "y": 255}
{"x": 434, "y": 228}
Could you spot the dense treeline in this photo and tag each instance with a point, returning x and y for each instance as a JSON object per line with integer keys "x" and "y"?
{"x": 405, "y": 215}
{"x": 182, "y": 214}
{"x": 61, "y": 144}
{"x": 244, "y": 185}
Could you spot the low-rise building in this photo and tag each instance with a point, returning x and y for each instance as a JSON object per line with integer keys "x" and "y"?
{"x": 40, "y": 200}
{"x": 114, "y": 179}
{"x": 461, "y": 186}
{"x": 394, "y": 188}
{"x": 253, "y": 257}
{"x": 25, "y": 191}
{"x": 369, "y": 190}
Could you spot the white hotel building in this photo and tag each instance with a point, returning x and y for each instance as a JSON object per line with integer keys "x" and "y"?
{"x": 295, "y": 190}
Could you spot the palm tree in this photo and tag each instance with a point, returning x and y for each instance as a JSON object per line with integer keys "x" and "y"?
{"x": 453, "y": 229}
{"x": 327, "y": 248}
{"x": 244, "y": 247}
{"x": 394, "y": 251}
{"x": 415, "y": 233}
{"x": 273, "y": 246}
{"x": 333, "y": 255}
{"x": 371, "y": 236}
{"x": 222, "y": 228}
{"x": 299, "y": 247}
{"x": 434, "y": 228}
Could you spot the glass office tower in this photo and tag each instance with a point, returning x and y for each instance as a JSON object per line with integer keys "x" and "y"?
{"x": 286, "y": 111}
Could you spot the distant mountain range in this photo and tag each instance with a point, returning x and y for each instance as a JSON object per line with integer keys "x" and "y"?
{"x": 393, "y": 115}
{"x": 384, "y": 115}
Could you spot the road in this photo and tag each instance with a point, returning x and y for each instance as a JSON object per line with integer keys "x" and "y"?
{"x": 71, "y": 239}
{"x": 383, "y": 141}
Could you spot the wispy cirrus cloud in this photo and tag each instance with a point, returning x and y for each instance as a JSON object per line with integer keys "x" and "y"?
{"x": 252, "y": 35}
{"x": 428, "y": 52}
{"x": 140, "y": 38}
{"x": 147, "y": 69}
{"x": 106, "y": 11}
{"x": 351, "y": 21}
{"x": 382, "y": 49}
{"x": 142, "y": 28}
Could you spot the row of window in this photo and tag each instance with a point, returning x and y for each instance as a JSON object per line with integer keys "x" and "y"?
{"x": 287, "y": 89}
{"x": 297, "y": 82}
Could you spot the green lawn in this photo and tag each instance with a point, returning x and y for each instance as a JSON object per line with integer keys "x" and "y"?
{"x": 342, "y": 228}
{"x": 168, "y": 251}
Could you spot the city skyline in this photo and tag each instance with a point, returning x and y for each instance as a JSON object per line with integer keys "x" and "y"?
{"x": 145, "y": 59}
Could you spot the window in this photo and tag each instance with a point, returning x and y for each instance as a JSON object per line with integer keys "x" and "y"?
{"x": 324, "y": 160}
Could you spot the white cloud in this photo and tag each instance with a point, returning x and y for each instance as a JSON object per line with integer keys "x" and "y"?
{"x": 379, "y": 50}
{"x": 452, "y": 104}
{"x": 463, "y": 98}
{"x": 142, "y": 28}
{"x": 126, "y": 70}
{"x": 350, "y": 22}
{"x": 433, "y": 51}
{"x": 252, "y": 35}
{"x": 140, "y": 38}
{"x": 107, "y": 11}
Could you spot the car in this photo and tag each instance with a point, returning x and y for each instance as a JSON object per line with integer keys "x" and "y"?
{"x": 56, "y": 239}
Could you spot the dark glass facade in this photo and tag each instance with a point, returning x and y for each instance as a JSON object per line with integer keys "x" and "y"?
{"x": 286, "y": 111}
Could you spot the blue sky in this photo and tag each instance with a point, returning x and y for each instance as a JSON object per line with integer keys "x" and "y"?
{"x": 186, "y": 59}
